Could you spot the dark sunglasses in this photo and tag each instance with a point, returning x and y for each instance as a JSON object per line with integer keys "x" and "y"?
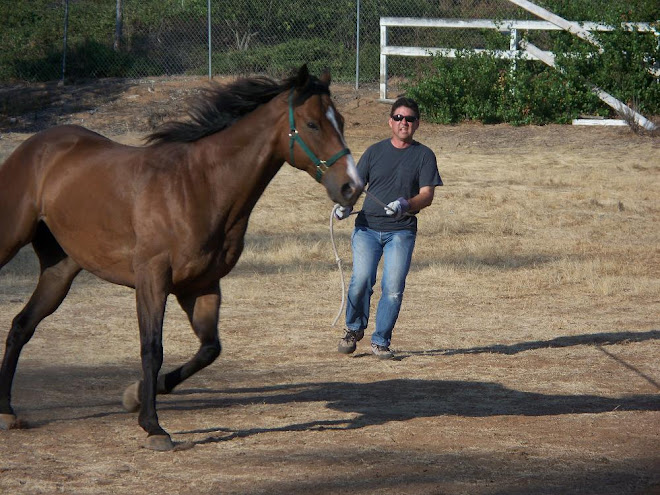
{"x": 409, "y": 118}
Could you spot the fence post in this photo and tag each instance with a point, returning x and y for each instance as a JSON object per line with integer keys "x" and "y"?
{"x": 357, "y": 46}
{"x": 119, "y": 14}
{"x": 513, "y": 46}
{"x": 66, "y": 30}
{"x": 513, "y": 39}
{"x": 383, "y": 62}
{"x": 208, "y": 22}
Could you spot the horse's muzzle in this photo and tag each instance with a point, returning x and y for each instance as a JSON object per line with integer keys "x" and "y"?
{"x": 350, "y": 192}
{"x": 343, "y": 182}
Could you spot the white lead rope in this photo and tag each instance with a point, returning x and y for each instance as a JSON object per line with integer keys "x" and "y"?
{"x": 338, "y": 261}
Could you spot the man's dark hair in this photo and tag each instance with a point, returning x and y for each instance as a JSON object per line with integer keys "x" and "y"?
{"x": 405, "y": 102}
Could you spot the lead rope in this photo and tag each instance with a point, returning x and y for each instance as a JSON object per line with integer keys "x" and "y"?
{"x": 339, "y": 265}
{"x": 338, "y": 259}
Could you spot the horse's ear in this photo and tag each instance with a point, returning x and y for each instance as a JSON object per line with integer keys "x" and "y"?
{"x": 303, "y": 76}
{"x": 325, "y": 77}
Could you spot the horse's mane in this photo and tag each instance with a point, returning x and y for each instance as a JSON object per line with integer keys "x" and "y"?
{"x": 219, "y": 106}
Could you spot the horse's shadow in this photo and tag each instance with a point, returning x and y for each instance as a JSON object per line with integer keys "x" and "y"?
{"x": 380, "y": 402}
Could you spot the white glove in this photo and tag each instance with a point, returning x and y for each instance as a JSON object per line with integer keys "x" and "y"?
{"x": 398, "y": 208}
{"x": 342, "y": 212}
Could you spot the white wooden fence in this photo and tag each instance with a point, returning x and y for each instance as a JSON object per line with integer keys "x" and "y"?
{"x": 513, "y": 27}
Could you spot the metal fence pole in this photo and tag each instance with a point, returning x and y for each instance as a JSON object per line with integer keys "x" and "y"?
{"x": 66, "y": 30}
{"x": 264, "y": 39}
{"x": 208, "y": 22}
{"x": 118, "y": 26}
{"x": 357, "y": 47}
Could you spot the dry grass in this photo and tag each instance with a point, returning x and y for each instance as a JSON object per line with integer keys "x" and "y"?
{"x": 528, "y": 343}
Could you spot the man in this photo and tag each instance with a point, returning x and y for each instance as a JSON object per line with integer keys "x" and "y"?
{"x": 403, "y": 173}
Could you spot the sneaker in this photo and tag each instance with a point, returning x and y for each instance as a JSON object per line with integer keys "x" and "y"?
{"x": 349, "y": 342}
{"x": 382, "y": 351}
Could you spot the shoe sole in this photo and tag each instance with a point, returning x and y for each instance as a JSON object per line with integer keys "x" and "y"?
{"x": 383, "y": 355}
{"x": 346, "y": 350}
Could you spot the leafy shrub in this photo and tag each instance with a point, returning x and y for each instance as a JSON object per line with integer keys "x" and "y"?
{"x": 278, "y": 60}
{"x": 621, "y": 68}
{"x": 481, "y": 87}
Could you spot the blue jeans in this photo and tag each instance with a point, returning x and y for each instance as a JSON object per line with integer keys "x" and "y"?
{"x": 368, "y": 247}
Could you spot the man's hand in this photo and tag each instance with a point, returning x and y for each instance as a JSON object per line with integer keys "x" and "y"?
{"x": 342, "y": 212}
{"x": 398, "y": 208}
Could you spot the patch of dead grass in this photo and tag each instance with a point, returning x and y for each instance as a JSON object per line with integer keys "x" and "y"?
{"x": 528, "y": 339}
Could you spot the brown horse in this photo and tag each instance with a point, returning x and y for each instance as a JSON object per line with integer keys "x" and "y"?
{"x": 167, "y": 218}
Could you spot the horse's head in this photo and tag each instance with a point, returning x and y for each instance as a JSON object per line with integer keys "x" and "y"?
{"x": 316, "y": 138}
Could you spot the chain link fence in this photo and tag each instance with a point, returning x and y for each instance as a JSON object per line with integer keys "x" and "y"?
{"x": 75, "y": 39}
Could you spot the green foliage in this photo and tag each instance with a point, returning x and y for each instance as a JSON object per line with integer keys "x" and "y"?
{"x": 446, "y": 93}
{"x": 480, "y": 87}
{"x": 622, "y": 67}
{"x": 605, "y": 11}
{"x": 281, "y": 59}
{"x": 275, "y": 36}
{"x": 536, "y": 94}
{"x": 29, "y": 33}
{"x": 484, "y": 88}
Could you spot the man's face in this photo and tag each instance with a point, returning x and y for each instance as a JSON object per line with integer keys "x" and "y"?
{"x": 403, "y": 129}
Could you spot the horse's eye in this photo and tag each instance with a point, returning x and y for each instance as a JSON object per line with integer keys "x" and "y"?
{"x": 313, "y": 126}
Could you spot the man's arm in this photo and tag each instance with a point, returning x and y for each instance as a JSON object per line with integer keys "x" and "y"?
{"x": 423, "y": 199}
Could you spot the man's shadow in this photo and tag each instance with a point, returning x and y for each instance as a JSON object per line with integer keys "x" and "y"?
{"x": 603, "y": 338}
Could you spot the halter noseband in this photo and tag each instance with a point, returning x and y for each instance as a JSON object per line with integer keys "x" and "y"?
{"x": 321, "y": 165}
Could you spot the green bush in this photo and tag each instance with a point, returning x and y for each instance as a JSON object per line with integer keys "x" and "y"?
{"x": 481, "y": 87}
{"x": 168, "y": 37}
{"x": 622, "y": 68}
{"x": 278, "y": 60}
{"x": 484, "y": 88}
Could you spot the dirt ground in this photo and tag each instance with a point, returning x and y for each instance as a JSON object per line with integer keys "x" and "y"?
{"x": 523, "y": 366}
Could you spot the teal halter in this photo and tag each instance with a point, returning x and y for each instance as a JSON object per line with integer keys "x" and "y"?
{"x": 321, "y": 165}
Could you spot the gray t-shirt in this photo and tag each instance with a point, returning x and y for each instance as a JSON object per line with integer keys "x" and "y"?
{"x": 392, "y": 173}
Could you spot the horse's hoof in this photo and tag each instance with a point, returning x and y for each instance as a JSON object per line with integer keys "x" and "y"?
{"x": 131, "y": 398}
{"x": 161, "y": 443}
{"x": 8, "y": 422}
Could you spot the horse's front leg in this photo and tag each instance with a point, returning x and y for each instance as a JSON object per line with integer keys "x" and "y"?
{"x": 152, "y": 287}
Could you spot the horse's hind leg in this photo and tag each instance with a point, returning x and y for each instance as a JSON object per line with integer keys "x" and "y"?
{"x": 202, "y": 309}
{"x": 57, "y": 274}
